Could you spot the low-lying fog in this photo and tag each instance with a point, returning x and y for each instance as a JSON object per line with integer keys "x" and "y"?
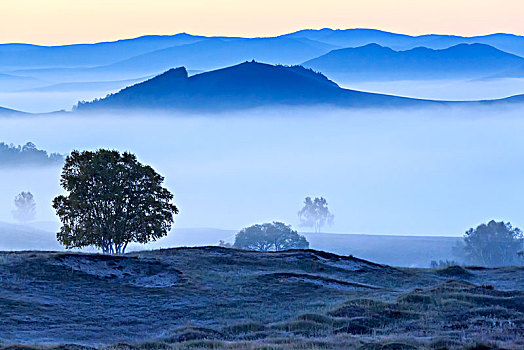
{"x": 47, "y": 101}
{"x": 449, "y": 90}
{"x": 65, "y": 96}
{"x": 423, "y": 172}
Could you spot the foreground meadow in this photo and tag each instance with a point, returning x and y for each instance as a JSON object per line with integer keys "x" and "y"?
{"x": 212, "y": 297}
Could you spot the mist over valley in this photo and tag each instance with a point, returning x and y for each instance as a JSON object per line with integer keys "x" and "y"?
{"x": 334, "y": 189}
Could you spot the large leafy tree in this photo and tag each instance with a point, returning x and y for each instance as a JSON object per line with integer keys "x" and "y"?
{"x": 113, "y": 200}
{"x": 274, "y": 236}
{"x": 493, "y": 244}
{"x": 25, "y": 207}
{"x": 315, "y": 213}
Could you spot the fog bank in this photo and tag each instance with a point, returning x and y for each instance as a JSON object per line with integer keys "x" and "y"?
{"x": 416, "y": 172}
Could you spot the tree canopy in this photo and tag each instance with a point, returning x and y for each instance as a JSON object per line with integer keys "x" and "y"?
{"x": 25, "y": 207}
{"x": 274, "y": 236}
{"x": 112, "y": 200}
{"x": 315, "y": 213}
{"x": 493, "y": 244}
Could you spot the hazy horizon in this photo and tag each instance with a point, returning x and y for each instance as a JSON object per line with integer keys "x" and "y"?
{"x": 255, "y": 36}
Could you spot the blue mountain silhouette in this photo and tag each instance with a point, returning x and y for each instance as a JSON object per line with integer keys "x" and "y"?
{"x": 7, "y": 111}
{"x": 250, "y": 85}
{"x": 18, "y": 56}
{"x": 222, "y": 52}
{"x": 381, "y": 63}
{"x": 246, "y": 85}
{"x": 359, "y": 37}
{"x": 295, "y": 48}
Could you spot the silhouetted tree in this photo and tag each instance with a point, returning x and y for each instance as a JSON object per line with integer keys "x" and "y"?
{"x": 270, "y": 236}
{"x": 493, "y": 244}
{"x": 315, "y": 213}
{"x": 25, "y": 207}
{"x": 113, "y": 200}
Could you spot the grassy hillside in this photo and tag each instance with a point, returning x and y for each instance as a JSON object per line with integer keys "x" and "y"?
{"x": 409, "y": 251}
{"x": 213, "y": 297}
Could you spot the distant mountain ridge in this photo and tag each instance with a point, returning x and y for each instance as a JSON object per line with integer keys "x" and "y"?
{"x": 356, "y": 37}
{"x": 382, "y": 63}
{"x": 318, "y": 42}
{"x": 86, "y": 55}
{"x": 177, "y": 49}
{"x": 26, "y": 67}
{"x": 217, "y": 52}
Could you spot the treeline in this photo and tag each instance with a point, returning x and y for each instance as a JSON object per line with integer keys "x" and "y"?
{"x": 27, "y": 155}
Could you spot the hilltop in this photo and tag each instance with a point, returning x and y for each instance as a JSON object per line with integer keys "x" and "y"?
{"x": 224, "y": 298}
{"x": 251, "y": 85}
{"x": 246, "y": 85}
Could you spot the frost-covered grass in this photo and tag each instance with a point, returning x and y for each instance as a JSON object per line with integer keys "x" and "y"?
{"x": 225, "y": 298}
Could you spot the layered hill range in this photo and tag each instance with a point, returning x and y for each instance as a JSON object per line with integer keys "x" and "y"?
{"x": 361, "y": 59}
{"x": 249, "y": 85}
{"x": 24, "y": 66}
{"x": 375, "y": 62}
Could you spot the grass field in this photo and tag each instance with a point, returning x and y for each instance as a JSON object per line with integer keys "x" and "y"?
{"x": 212, "y": 297}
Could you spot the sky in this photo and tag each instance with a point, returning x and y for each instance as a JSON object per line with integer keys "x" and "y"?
{"x": 54, "y": 22}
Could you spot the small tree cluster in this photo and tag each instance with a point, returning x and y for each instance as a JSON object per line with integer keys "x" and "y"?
{"x": 113, "y": 200}
{"x": 315, "y": 213}
{"x": 493, "y": 244}
{"x": 443, "y": 263}
{"x": 274, "y": 236}
{"x": 25, "y": 207}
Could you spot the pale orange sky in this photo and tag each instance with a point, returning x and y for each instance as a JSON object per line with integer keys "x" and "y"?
{"x": 75, "y": 21}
